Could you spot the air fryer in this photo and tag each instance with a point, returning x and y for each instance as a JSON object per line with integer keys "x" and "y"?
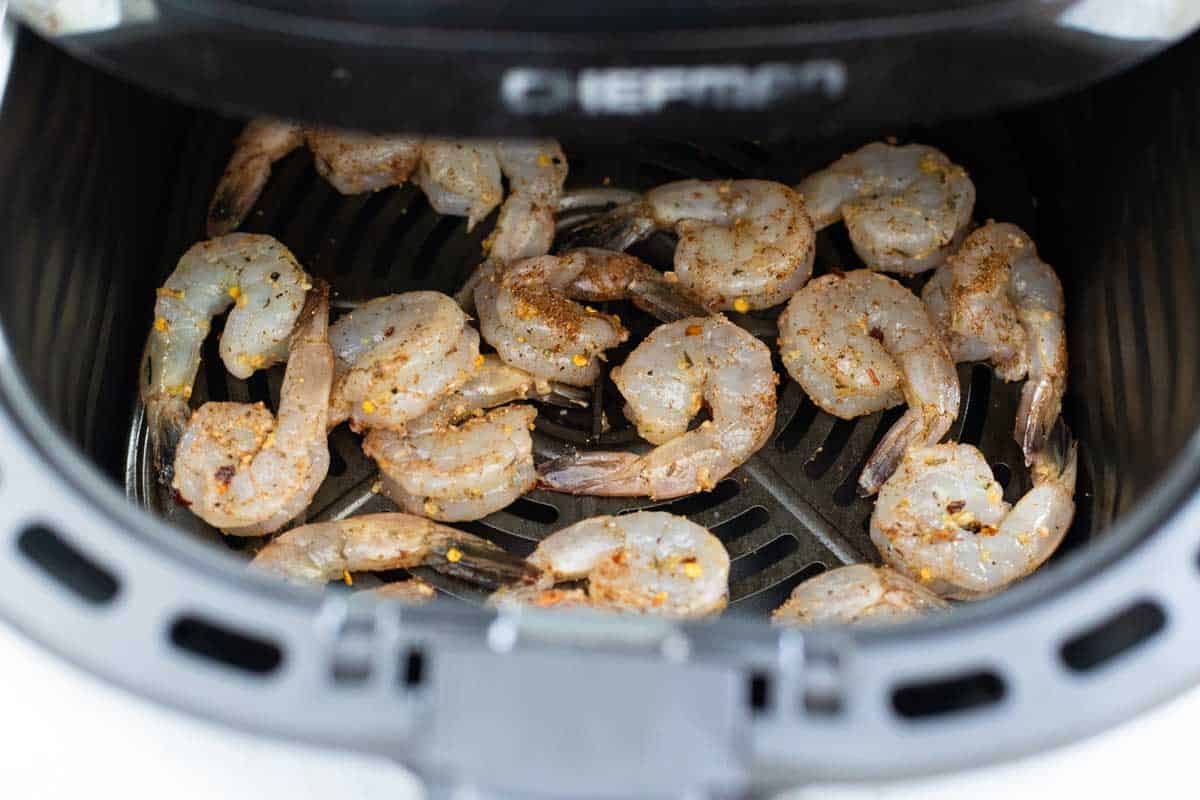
{"x": 1084, "y": 135}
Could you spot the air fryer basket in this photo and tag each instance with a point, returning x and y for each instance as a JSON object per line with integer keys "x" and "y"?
{"x": 105, "y": 186}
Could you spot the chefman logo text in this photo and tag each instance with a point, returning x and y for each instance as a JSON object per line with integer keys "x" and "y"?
{"x": 646, "y": 90}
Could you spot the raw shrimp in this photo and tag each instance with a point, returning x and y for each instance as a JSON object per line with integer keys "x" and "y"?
{"x": 460, "y": 177}
{"x": 397, "y": 356}
{"x": 248, "y": 473}
{"x": 742, "y": 244}
{"x": 678, "y": 368}
{"x": 906, "y": 208}
{"x": 458, "y": 473}
{"x": 650, "y": 561}
{"x": 257, "y": 273}
{"x": 856, "y": 594}
{"x": 536, "y": 170}
{"x": 492, "y": 384}
{"x": 942, "y": 519}
{"x": 996, "y": 301}
{"x": 327, "y": 551}
{"x": 859, "y": 342}
{"x": 352, "y": 162}
{"x": 524, "y": 312}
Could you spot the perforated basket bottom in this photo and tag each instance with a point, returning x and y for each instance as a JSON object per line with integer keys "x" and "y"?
{"x": 790, "y": 512}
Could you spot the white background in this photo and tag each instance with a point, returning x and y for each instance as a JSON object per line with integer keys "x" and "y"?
{"x": 66, "y": 736}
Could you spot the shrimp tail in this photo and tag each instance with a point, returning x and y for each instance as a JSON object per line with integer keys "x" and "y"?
{"x": 479, "y": 561}
{"x": 167, "y": 419}
{"x": 1039, "y": 408}
{"x": 618, "y": 229}
{"x": 598, "y": 473}
{"x": 664, "y": 302}
{"x": 564, "y": 395}
{"x": 236, "y": 194}
{"x": 1058, "y": 461}
{"x": 914, "y": 429}
{"x": 595, "y": 197}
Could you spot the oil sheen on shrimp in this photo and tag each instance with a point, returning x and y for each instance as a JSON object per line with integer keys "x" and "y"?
{"x": 255, "y": 274}
{"x": 680, "y": 367}
{"x": 859, "y": 342}
{"x": 460, "y": 472}
{"x": 906, "y": 207}
{"x": 247, "y": 472}
{"x": 942, "y": 520}
{"x": 397, "y": 356}
{"x": 743, "y": 244}
{"x": 327, "y": 551}
{"x": 648, "y": 562}
{"x": 857, "y": 594}
{"x": 352, "y": 162}
{"x": 996, "y": 301}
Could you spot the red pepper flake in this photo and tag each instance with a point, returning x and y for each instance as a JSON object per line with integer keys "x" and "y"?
{"x": 874, "y": 377}
{"x": 225, "y": 474}
{"x": 956, "y": 506}
{"x": 876, "y": 334}
{"x": 390, "y": 330}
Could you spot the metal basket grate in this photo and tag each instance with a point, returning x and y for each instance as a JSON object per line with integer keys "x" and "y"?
{"x": 787, "y": 514}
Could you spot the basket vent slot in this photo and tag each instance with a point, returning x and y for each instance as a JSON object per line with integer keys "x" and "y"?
{"x": 967, "y": 692}
{"x": 217, "y": 642}
{"x": 67, "y": 565}
{"x": 1120, "y": 633}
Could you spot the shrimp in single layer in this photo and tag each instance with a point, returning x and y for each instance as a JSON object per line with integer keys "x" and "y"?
{"x": 460, "y": 472}
{"x": 859, "y": 593}
{"x": 942, "y": 520}
{"x": 526, "y": 314}
{"x": 996, "y": 301}
{"x": 255, "y": 274}
{"x": 352, "y": 162}
{"x": 650, "y": 562}
{"x": 397, "y": 356}
{"x": 248, "y": 473}
{"x": 680, "y": 367}
{"x": 859, "y": 342}
{"x": 327, "y": 551}
{"x": 461, "y": 177}
{"x": 906, "y": 207}
{"x": 536, "y": 170}
{"x": 743, "y": 244}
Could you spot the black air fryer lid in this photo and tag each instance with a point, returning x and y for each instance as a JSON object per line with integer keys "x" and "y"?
{"x": 720, "y": 67}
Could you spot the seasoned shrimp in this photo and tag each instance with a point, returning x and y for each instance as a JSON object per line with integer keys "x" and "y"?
{"x": 857, "y": 343}
{"x": 996, "y": 301}
{"x": 906, "y": 208}
{"x": 942, "y": 519}
{"x": 248, "y": 473}
{"x": 526, "y": 310}
{"x": 856, "y": 594}
{"x": 397, "y": 356}
{"x": 536, "y": 171}
{"x": 327, "y": 551}
{"x": 650, "y": 561}
{"x": 680, "y": 367}
{"x": 461, "y": 178}
{"x": 458, "y": 473}
{"x": 742, "y": 244}
{"x": 351, "y": 162}
{"x": 260, "y": 276}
